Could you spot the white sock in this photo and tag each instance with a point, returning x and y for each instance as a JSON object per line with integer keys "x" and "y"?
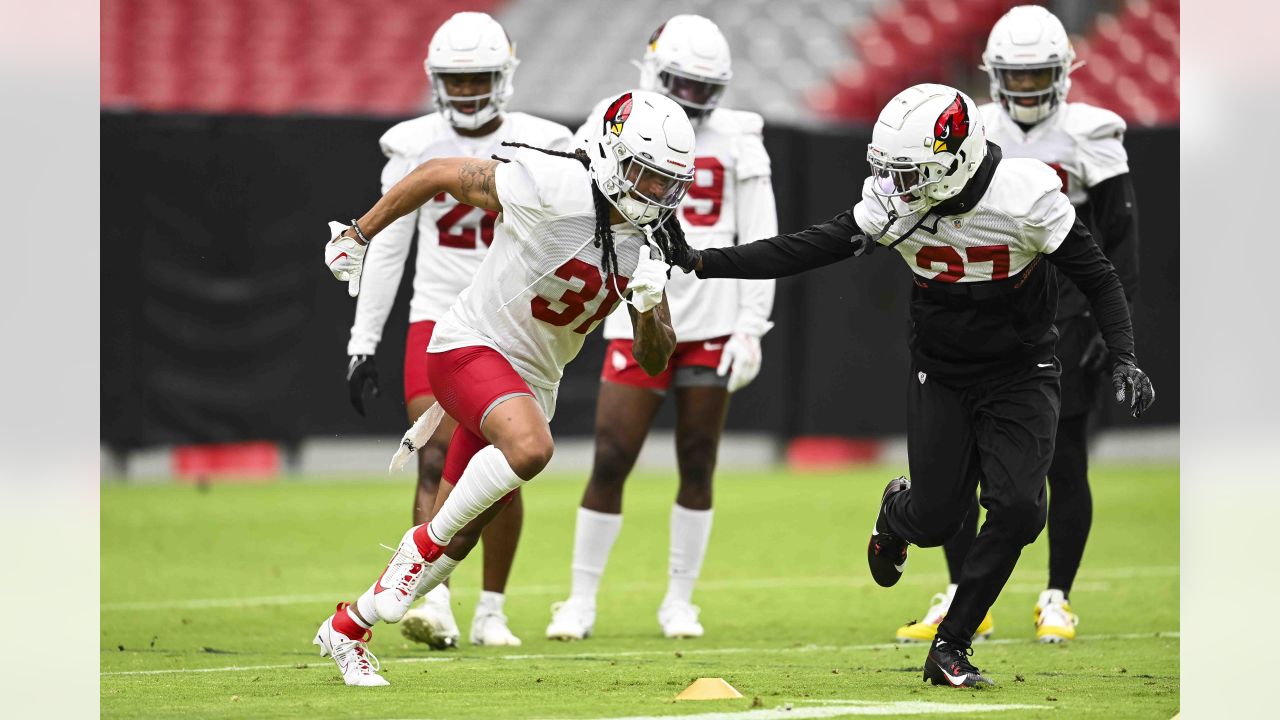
{"x": 490, "y": 602}
{"x": 593, "y": 539}
{"x": 690, "y": 532}
{"x": 486, "y": 480}
{"x": 438, "y": 572}
{"x": 368, "y": 610}
{"x": 439, "y": 595}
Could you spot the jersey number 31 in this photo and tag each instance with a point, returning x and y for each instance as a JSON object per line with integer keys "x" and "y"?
{"x": 575, "y": 302}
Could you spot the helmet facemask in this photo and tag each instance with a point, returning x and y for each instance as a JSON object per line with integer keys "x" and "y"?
{"x": 470, "y": 111}
{"x": 902, "y": 180}
{"x": 648, "y": 194}
{"x": 1013, "y": 86}
{"x": 697, "y": 95}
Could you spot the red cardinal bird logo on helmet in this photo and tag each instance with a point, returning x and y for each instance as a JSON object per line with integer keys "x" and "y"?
{"x": 951, "y": 127}
{"x": 617, "y": 114}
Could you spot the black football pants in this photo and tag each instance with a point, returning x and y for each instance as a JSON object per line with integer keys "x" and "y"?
{"x": 996, "y": 437}
{"x": 1070, "y": 499}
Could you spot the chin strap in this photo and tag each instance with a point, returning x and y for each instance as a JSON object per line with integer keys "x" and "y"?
{"x": 869, "y": 244}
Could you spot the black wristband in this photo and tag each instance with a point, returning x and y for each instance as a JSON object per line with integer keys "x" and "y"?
{"x": 356, "y": 226}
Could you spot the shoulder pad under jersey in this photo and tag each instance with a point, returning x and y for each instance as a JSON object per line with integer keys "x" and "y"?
{"x": 534, "y": 130}
{"x": 411, "y": 137}
{"x": 1086, "y": 121}
{"x": 1023, "y": 185}
{"x": 746, "y": 133}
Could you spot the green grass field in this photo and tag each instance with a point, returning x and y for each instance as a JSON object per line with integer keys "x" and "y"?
{"x": 210, "y": 600}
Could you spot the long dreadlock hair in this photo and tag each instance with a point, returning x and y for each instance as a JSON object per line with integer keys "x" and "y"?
{"x": 669, "y": 235}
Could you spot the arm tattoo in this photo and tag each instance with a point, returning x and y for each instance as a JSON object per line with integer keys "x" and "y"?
{"x": 477, "y": 176}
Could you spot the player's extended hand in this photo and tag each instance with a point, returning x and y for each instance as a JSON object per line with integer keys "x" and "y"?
{"x": 649, "y": 280}
{"x": 740, "y": 358}
{"x": 344, "y": 256}
{"x": 1132, "y": 386}
{"x": 362, "y": 371}
{"x": 689, "y": 263}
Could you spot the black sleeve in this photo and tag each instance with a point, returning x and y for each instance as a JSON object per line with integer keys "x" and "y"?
{"x": 1082, "y": 261}
{"x": 784, "y": 255}
{"x": 1115, "y": 215}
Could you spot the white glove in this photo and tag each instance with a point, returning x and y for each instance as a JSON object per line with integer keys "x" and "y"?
{"x": 417, "y": 436}
{"x": 648, "y": 281}
{"x": 742, "y": 353}
{"x": 344, "y": 257}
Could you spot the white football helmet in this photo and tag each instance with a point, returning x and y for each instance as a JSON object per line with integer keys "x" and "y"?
{"x": 642, "y": 156}
{"x": 471, "y": 42}
{"x": 688, "y": 61}
{"x": 1027, "y": 39}
{"x": 926, "y": 144}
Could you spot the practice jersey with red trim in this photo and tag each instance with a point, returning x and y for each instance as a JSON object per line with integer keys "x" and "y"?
{"x": 452, "y": 238}
{"x": 1022, "y": 215}
{"x": 731, "y": 198}
{"x": 1082, "y": 143}
{"x": 541, "y": 289}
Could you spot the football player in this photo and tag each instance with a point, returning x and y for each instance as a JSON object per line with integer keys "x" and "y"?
{"x": 575, "y": 234}
{"x": 983, "y": 396}
{"x": 1029, "y": 60}
{"x": 719, "y": 324}
{"x": 471, "y": 64}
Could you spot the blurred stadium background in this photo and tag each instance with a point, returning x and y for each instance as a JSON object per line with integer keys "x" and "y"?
{"x": 233, "y": 129}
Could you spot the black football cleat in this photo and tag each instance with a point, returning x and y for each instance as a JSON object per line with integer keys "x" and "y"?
{"x": 949, "y": 665}
{"x": 886, "y": 552}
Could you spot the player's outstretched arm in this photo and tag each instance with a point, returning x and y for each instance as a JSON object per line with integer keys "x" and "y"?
{"x": 469, "y": 180}
{"x": 1082, "y": 261}
{"x": 655, "y": 339}
{"x": 783, "y": 255}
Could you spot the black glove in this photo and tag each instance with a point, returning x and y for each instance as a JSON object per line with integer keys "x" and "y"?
{"x": 1094, "y": 358}
{"x": 863, "y": 245}
{"x": 689, "y": 261}
{"x": 1131, "y": 385}
{"x": 361, "y": 371}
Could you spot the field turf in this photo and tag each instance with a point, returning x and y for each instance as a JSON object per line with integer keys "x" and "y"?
{"x": 210, "y": 599}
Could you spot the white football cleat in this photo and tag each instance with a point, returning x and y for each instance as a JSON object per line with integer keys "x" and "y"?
{"x": 680, "y": 619}
{"x": 432, "y": 622}
{"x": 572, "y": 619}
{"x": 357, "y": 665}
{"x": 397, "y": 587}
{"x": 489, "y": 627}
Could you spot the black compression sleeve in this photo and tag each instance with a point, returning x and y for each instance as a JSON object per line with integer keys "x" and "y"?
{"x": 1115, "y": 215}
{"x": 1080, "y": 259}
{"x": 784, "y": 255}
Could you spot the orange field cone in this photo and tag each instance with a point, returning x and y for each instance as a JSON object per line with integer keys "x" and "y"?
{"x": 709, "y": 689}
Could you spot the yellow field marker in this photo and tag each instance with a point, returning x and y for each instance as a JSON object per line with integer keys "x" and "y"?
{"x": 709, "y": 689}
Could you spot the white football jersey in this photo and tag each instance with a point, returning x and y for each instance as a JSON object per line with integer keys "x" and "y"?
{"x": 1082, "y": 143}
{"x": 731, "y": 166}
{"x": 541, "y": 289}
{"x": 452, "y": 238}
{"x": 1022, "y": 215}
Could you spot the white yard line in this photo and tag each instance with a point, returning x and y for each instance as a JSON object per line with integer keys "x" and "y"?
{"x": 846, "y": 708}
{"x": 606, "y": 655}
{"x": 1092, "y": 582}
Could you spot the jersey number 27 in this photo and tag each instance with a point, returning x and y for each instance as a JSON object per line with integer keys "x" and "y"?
{"x": 997, "y": 255}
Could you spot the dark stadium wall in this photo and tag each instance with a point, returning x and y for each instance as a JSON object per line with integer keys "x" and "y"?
{"x": 220, "y": 323}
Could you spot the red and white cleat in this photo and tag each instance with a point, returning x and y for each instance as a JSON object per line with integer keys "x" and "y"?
{"x": 397, "y": 587}
{"x": 357, "y": 665}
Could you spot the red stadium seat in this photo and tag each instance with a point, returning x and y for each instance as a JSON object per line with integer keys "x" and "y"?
{"x": 268, "y": 57}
